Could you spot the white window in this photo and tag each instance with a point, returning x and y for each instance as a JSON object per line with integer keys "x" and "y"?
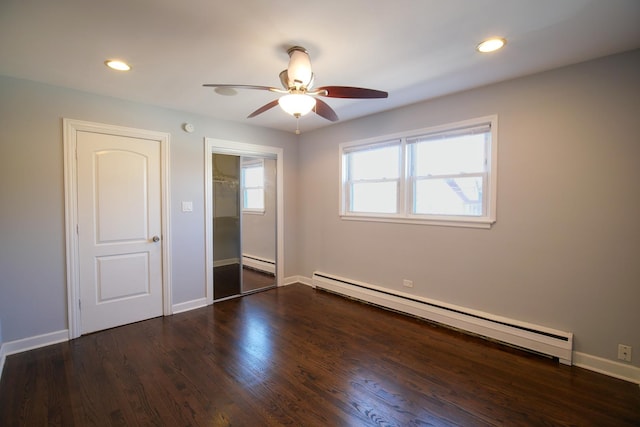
{"x": 373, "y": 178}
{"x": 444, "y": 175}
{"x": 253, "y": 186}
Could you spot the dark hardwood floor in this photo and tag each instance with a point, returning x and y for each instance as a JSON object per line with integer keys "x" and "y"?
{"x": 253, "y": 279}
{"x": 226, "y": 280}
{"x": 300, "y": 357}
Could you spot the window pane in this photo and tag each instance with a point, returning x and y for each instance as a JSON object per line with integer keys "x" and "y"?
{"x": 376, "y": 163}
{"x": 254, "y": 198}
{"x": 374, "y": 197}
{"x": 454, "y": 155}
{"x": 253, "y": 176}
{"x": 450, "y": 196}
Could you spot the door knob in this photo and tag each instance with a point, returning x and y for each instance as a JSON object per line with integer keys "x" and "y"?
{"x": 156, "y": 239}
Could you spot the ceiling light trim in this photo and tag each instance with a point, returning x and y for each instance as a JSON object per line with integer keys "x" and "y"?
{"x": 491, "y": 44}
{"x": 117, "y": 64}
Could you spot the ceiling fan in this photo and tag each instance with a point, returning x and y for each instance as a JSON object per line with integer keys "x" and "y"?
{"x": 299, "y": 97}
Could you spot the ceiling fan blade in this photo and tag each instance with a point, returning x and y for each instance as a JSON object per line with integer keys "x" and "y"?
{"x": 269, "y": 88}
{"x": 323, "y": 110}
{"x": 263, "y": 108}
{"x": 350, "y": 92}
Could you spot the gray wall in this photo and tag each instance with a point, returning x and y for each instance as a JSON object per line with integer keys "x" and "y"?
{"x": 32, "y": 236}
{"x": 565, "y": 251}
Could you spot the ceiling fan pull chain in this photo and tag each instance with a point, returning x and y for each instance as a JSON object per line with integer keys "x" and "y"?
{"x": 297, "y": 122}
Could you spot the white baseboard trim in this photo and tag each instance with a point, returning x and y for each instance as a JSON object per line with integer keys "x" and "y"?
{"x": 30, "y": 343}
{"x": 289, "y": 280}
{"x": 608, "y": 367}
{"x": 188, "y": 305}
{"x": 306, "y": 281}
{"x": 298, "y": 279}
{"x": 26, "y": 344}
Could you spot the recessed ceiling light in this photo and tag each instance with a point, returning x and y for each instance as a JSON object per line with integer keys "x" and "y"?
{"x": 117, "y": 65}
{"x": 491, "y": 45}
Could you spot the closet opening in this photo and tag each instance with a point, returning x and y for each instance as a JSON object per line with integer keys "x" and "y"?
{"x": 243, "y": 219}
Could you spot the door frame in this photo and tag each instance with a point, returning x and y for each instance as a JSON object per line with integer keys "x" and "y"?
{"x": 71, "y": 127}
{"x": 219, "y": 146}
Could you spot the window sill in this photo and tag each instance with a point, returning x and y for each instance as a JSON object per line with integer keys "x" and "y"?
{"x": 253, "y": 212}
{"x": 484, "y": 223}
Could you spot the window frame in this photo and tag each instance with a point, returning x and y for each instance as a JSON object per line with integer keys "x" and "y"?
{"x": 406, "y": 187}
{"x": 348, "y": 185}
{"x": 254, "y": 163}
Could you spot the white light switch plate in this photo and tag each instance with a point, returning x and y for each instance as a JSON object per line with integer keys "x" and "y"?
{"x": 187, "y": 206}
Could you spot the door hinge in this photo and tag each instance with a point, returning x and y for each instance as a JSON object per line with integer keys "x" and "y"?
{"x": 79, "y": 304}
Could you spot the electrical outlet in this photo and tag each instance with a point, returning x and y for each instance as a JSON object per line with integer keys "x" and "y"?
{"x": 624, "y": 352}
{"x": 407, "y": 283}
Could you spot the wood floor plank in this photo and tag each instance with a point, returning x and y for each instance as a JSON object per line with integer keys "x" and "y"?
{"x": 297, "y": 356}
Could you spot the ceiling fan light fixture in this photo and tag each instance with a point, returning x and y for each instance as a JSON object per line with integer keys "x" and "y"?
{"x": 299, "y": 69}
{"x": 491, "y": 45}
{"x": 297, "y": 104}
{"x": 298, "y": 99}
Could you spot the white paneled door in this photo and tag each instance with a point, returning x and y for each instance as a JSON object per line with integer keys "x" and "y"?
{"x": 119, "y": 229}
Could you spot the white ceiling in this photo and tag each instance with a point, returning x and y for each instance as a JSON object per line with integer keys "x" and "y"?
{"x": 413, "y": 49}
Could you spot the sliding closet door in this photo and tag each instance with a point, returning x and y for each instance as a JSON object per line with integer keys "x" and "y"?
{"x": 260, "y": 255}
{"x": 227, "y": 254}
{"x": 259, "y": 222}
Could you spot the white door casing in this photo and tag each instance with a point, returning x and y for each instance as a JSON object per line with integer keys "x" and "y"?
{"x": 116, "y": 206}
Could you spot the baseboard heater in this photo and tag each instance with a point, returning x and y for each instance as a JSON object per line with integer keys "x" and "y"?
{"x": 258, "y": 263}
{"x": 535, "y": 338}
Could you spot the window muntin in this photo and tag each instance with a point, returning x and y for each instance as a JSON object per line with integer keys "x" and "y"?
{"x": 444, "y": 175}
{"x": 253, "y": 186}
